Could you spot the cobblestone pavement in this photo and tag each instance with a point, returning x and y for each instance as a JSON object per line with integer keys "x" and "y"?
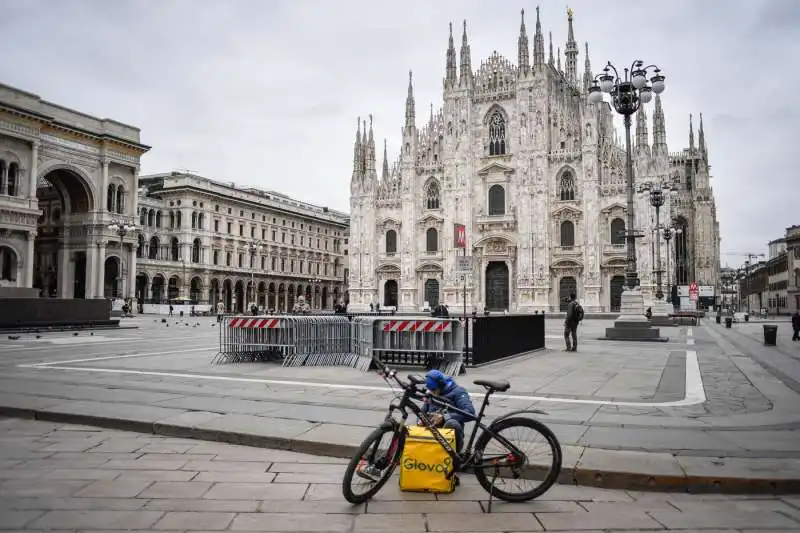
{"x": 607, "y": 397}
{"x": 75, "y": 478}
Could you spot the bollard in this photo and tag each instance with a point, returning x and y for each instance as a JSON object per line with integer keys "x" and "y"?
{"x": 719, "y": 319}
{"x": 728, "y": 322}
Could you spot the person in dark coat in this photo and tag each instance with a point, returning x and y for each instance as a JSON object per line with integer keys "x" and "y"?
{"x": 796, "y": 326}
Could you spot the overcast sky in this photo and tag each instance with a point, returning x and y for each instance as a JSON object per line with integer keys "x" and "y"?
{"x": 266, "y": 92}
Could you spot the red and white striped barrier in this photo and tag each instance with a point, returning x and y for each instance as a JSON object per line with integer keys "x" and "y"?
{"x": 254, "y": 323}
{"x": 424, "y": 326}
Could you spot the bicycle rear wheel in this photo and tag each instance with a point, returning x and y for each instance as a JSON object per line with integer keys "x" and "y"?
{"x": 541, "y": 471}
{"x": 374, "y": 462}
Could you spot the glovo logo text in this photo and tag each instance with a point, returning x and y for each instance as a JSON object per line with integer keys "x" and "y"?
{"x": 410, "y": 463}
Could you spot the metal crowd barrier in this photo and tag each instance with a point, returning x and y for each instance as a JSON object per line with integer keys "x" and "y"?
{"x": 417, "y": 341}
{"x": 295, "y": 340}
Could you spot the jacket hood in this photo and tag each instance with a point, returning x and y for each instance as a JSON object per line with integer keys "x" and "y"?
{"x": 449, "y": 385}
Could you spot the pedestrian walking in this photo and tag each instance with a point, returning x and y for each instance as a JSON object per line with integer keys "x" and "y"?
{"x": 796, "y": 325}
{"x": 573, "y": 318}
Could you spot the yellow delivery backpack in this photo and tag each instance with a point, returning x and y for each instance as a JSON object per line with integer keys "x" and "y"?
{"x": 425, "y": 463}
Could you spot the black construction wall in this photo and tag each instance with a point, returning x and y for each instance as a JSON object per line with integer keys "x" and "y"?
{"x": 31, "y": 312}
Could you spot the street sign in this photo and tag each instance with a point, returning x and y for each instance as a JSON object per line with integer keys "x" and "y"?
{"x": 460, "y": 232}
{"x": 693, "y": 291}
{"x": 464, "y": 263}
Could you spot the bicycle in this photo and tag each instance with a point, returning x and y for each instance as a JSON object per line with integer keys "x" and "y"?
{"x": 512, "y": 460}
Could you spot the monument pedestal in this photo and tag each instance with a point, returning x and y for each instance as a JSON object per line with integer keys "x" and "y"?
{"x": 661, "y": 314}
{"x": 632, "y": 325}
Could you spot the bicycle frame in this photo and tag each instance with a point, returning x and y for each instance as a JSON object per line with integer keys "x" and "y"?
{"x": 410, "y": 393}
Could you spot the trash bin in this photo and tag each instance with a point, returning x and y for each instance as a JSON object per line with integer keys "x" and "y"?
{"x": 728, "y": 322}
{"x": 719, "y": 319}
{"x": 747, "y": 318}
{"x": 770, "y": 335}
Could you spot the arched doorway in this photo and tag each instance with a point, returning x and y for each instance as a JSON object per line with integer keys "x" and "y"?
{"x": 174, "y": 288}
{"x": 9, "y": 266}
{"x": 281, "y": 298}
{"x": 239, "y": 291}
{"x": 65, "y": 200}
{"x": 113, "y": 278}
{"x": 262, "y": 294}
{"x": 271, "y": 297}
{"x": 141, "y": 287}
{"x": 290, "y": 296}
{"x": 615, "y": 288}
{"x": 566, "y": 286}
{"x": 390, "y": 293}
{"x": 432, "y": 292}
{"x": 317, "y": 302}
{"x": 196, "y": 290}
{"x": 157, "y": 289}
{"x": 227, "y": 295}
{"x": 324, "y": 303}
{"x": 213, "y": 294}
{"x": 497, "y": 289}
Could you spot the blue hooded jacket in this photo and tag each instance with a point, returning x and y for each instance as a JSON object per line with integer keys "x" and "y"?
{"x": 456, "y": 396}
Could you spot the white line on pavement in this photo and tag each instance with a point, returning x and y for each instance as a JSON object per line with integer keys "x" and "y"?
{"x": 694, "y": 383}
{"x": 690, "y": 342}
{"x": 108, "y": 357}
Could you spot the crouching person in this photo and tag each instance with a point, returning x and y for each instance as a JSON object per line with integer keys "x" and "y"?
{"x": 450, "y": 392}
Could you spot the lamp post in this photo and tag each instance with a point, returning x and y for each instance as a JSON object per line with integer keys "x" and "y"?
{"x": 254, "y": 247}
{"x": 628, "y": 92}
{"x": 669, "y": 233}
{"x": 121, "y": 229}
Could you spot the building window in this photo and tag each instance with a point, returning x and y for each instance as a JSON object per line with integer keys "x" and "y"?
{"x": 196, "y": 251}
{"x": 216, "y": 226}
{"x": 274, "y": 263}
{"x": 497, "y": 200}
{"x": 432, "y": 195}
{"x": 241, "y": 230}
{"x": 227, "y": 259}
{"x": 566, "y": 187}
{"x": 230, "y": 228}
{"x": 263, "y": 263}
{"x": 216, "y": 257}
{"x": 497, "y": 133}
{"x": 617, "y": 231}
{"x": 391, "y": 242}
{"x": 241, "y": 260}
{"x": 252, "y": 232}
{"x": 567, "y": 233}
{"x": 431, "y": 240}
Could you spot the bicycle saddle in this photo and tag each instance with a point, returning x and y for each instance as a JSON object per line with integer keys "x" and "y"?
{"x": 500, "y": 385}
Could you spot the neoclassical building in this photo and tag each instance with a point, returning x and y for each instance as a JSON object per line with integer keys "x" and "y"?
{"x": 65, "y": 176}
{"x": 537, "y": 175}
{"x": 202, "y": 241}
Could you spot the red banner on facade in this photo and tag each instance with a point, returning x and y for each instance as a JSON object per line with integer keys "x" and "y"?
{"x": 460, "y": 235}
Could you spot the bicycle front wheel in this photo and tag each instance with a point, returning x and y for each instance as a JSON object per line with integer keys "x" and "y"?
{"x": 373, "y": 464}
{"x": 540, "y": 471}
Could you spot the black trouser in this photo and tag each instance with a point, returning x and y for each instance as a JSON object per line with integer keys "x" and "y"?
{"x": 571, "y": 328}
{"x": 796, "y": 336}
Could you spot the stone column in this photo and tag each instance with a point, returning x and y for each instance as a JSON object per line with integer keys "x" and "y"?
{"x": 34, "y": 170}
{"x": 91, "y": 266}
{"x": 65, "y": 273}
{"x": 135, "y": 196}
{"x": 104, "y": 187}
{"x": 131, "y": 292}
{"x": 29, "y": 259}
{"x": 4, "y": 179}
{"x": 101, "y": 269}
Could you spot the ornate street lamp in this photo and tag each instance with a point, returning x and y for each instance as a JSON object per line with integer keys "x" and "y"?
{"x": 313, "y": 295}
{"x": 254, "y": 247}
{"x": 122, "y": 229}
{"x": 628, "y": 92}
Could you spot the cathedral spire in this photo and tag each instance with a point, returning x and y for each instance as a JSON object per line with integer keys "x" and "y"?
{"x": 642, "y": 140}
{"x": 450, "y": 79}
{"x": 364, "y": 151}
{"x": 522, "y": 48}
{"x": 691, "y": 135}
{"x": 466, "y": 60}
{"x": 558, "y": 65}
{"x": 571, "y": 52}
{"x": 538, "y": 43}
{"x": 357, "y": 173}
{"x": 551, "y": 59}
{"x": 702, "y": 138}
{"x": 385, "y": 172}
{"x": 659, "y": 129}
{"x": 371, "y": 174}
{"x": 410, "y": 113}
{"x": 587, "y": 71}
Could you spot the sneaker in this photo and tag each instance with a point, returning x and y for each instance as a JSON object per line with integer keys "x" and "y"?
{"x": 575, "y": 349}
{"x": 370, "y": 473}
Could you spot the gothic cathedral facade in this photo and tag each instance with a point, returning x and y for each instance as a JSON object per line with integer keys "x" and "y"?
{"x": 537, "y": 175}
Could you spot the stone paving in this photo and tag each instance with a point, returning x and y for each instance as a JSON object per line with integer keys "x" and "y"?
{"x": 608, "y": 397}
{"x": 56, "y": 477}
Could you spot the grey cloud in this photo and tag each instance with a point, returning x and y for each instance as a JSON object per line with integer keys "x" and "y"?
{"x": 266, "y": 93}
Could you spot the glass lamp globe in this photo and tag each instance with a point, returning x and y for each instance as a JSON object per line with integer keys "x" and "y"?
{"x": 658, "y": 83}
{"x": 606, "y": 83}
{"x": 638, "y": 79}
{"x": 113, "y": 227}
{"x": 645, "y": 95}
{"x": 595, "y": 96}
